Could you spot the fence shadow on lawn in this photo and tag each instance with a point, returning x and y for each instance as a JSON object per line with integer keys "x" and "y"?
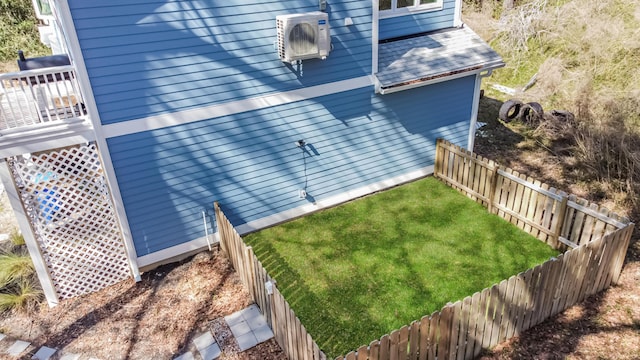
{"x": 597, "y": 239}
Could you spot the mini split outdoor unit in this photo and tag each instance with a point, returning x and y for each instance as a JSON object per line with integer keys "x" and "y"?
{"x": 303, "y": 36}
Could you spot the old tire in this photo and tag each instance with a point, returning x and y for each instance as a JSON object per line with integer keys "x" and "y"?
{"x": 510, "y": 110}
{"x": 532, "y": 113}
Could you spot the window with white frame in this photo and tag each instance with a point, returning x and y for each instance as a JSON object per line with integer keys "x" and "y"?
{"x": 390, "y": 8}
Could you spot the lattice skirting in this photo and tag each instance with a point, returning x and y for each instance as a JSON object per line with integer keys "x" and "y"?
{"x": 67, "y": 201}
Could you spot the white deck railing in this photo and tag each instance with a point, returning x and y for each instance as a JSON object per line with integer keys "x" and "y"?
{"x": 39, "y": 96}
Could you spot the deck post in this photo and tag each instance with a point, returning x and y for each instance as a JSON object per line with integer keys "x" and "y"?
{"x": 29, "y": 237}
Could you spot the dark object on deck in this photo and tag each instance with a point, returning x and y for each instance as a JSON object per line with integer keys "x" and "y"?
{"x": 43, "y": 62}
{"x": 510, "y": 110}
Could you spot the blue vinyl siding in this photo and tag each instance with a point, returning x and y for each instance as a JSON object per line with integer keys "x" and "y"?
{"x": 250, "y": 162}
{"x": 147, "y": 58}
{"x": 418, "y": 23}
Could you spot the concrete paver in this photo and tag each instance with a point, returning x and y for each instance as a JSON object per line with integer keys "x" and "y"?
{"x": 211, "y": 352}
{"x": 249, "y": 327}
{"x": 18, "y": 347}
{"x": 44, "y": 353}
{"x": 186, "y": 356}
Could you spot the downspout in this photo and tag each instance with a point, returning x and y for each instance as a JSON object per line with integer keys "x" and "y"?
{"x": 474, "y": 109}
{"x": 75, "y": 52}
{"x": 457, "y": 14}
{"x": 375, "y": 18}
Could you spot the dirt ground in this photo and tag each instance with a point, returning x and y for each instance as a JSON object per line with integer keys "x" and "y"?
{"x": 158, "y": 317}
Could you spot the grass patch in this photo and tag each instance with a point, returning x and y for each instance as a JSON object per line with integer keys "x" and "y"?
{"x": 355, "y": 272}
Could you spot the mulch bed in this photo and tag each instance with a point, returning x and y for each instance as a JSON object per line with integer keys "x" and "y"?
{"x": 156, "y": 318}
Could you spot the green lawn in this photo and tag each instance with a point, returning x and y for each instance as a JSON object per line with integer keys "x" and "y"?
{"x": 355, "y": 272}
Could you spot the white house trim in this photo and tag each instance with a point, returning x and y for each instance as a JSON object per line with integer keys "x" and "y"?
{"x": 417, "y": 84}
{"x": 474, "y": 113}
{"x": 375, "y": 36}
{"x": 43, "y": 137}
{"x": 159, "y": 257}
{"x": 182, "y": 250}
{"x": 92, "y": 109}
{"x": 457, "y": 14}
{"x": 232, "y": 107}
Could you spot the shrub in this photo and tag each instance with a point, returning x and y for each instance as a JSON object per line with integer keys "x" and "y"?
{"x": 19, "y": 29}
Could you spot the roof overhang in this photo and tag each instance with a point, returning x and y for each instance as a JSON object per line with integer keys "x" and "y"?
{"x": 433, "y": 57}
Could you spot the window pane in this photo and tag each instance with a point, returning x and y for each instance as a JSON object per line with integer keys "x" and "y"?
{"x": 427, "y": 1}
{"x": 405, "y": 3}
{"x": 385, "y": 5}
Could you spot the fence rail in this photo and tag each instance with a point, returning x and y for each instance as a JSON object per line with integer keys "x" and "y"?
{"x": 596, "y": 239}
{"x": 40, "y": 96}
{"x": 288, "y": 331}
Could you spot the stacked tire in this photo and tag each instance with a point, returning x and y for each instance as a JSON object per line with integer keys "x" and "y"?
{"x": 531, "y": 113}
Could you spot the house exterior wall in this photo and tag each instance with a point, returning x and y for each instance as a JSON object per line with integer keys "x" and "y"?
{"x": 153, "y": 57}
{"x": 196, "y": 106}
{"x": 251, "y": 164}
{"x": 399, "y": 26}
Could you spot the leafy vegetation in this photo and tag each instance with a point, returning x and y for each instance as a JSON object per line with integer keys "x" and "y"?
{"x": 355, "y": 272}
{"x": 19, "y": 287}
{"x": 18, "y": 26}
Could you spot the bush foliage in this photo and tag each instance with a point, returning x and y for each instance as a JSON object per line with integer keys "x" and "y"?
{"x": 19, "y": 29}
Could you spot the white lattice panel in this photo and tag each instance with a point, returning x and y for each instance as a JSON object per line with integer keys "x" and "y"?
{"x": 67, "y": 200}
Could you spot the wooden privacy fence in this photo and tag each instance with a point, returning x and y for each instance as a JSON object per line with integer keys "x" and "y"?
{"x": 551, "y": 215}
{"x": 597, "y": 241}
{"x": 288, "y": 331}
{"x": 463, "y": 329}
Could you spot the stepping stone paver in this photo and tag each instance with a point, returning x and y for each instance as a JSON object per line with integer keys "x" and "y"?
{"x": 44, "y": 353}
{"x": 186, "y": 356}
{"x": 249, "y": 327}
{"x": 246, "y": 341}
{"x": 207, "y": 346}
{"x": 18, "y": 347}
{"x": 211, "y": 352}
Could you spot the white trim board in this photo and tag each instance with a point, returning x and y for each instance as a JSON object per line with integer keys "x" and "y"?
{"x": 176, "y": 252}
{"x": 232, "y": 107}
{"x": 103, "y": 148}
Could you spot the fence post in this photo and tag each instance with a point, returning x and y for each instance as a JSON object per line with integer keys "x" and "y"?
{"x": 221, "y": 228}
{"x": 561, "y": 215}
{"x": 492, "y": 188}
{"x": 438, "y": 165}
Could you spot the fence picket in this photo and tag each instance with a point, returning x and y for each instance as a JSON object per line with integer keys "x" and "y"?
{"x": 363, "y": 352}
{"x": 414, "y": 340}
{"x": 463, "y": 332}
{"x": 433, "y": 335}
{"x": 444, "y": 332}
{"x": 455, "y": 329}
{"x": 508, "y": 319}
{"x": 424, "y": 337}
{"x": 374, "y": 350}
{"x": 384, "y": 348}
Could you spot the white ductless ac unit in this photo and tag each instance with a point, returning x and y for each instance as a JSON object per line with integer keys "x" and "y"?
{"x": 303, "y": 36}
